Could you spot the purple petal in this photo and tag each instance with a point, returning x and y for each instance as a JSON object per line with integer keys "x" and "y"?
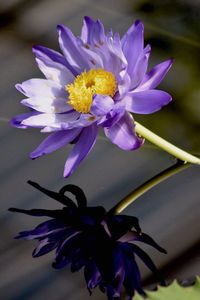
{"x": 113, "y": 116}
{"x": 101, "y": 105}
{"x": 119, "y": 272}
{"x": 145, "y": 238}
{"x": 112, "y": 55}
{"x": 43, "y": 229}
{"x": 44, "y": 247}
{"x": 57, "y": 121}
{"x": 137, "y": 73}
{"x": 104, "y": 51}
{"x": 82, "y": 120}
{"x": 66, "y": 248}
{"x": 133, "y": 43}
{"x": 132, "y": 279}
{"x": 147, "y": 260}
{"x": 81, "y": 149}
{"x": 92, "y": 32}
{"x": 124, "y": 82}
{"x": 41, "y": 88}
{"x": 155, "y": 75}
{"x": 40, "y": 120}
{"x": 48, "y": 54}
{"x": 53, "y": 65}
{"x": 94, "y": 58}
{"x": 123, "y": 135}
{"x": 60, "y": 262}
{"x": 131, "y": 235}
{"x": 92, "y": 275}
{"x": 72, "y": 51}
{"x": 77, "y": 262}
{"x": 147, "y": 102}
{"x": 47, "y": 104}
{"x": 17, "y": 120}
{"x": 55, "y": 141}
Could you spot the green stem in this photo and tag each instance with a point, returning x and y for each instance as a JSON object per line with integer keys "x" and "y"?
{"x": 119, "y": 207}
{"x": 166, "y": 146}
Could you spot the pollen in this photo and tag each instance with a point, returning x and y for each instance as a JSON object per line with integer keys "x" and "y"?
{"x": 87, "y": 84}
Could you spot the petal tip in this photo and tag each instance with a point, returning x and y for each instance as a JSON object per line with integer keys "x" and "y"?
{"x": 67, "y": 173}
{"x": 170, "y": 61}
{"x": 33, "y": 155}
{"x": 35, "y": 47}
{"x": 59, "y": 27}
{"x": 18, "y": 87}
{"x": 138, "y": 24}
{"x": 88, "y": 18}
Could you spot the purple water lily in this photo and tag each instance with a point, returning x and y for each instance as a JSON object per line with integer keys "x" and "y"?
{"x": 105, "y": 245}
{"x": 97, "y": 81}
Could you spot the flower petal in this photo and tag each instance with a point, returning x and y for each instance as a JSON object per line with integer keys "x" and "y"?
{"x": 77, "y": 192}
{"x": 47, "y": 104}
{"x": 57, "y": 121}
{"x": 133, "y": 43}
{"x": 119, "y": 225}
{"x": 77, "y": 263}
{"x": 55, "y": 141}
{"x": 49, "y": 54}
{"x": 132, "y": 279}
{"x": 155, "y": 75}
{"x": 145, "y": 238}
{"x": 43, "y": 229}
{"x": 60, "y": 197}
{"x": 137, "y": 73}
{"x": 112, "y": 55}
{"x": 146, "y": 102}
{"x": 37, "y": 212}
{"x": 147, "y": 260}
{"x": 113, "y": 116}
{"x": 41, "y": 87}
{"x": 79, "y": 121}
{"x": 92, "y": 32}
{"x": 65, "y": 251}
{"x": 72, "y": 51}
{"x": 101, "y": 105}
{"x": 118, "y": 272}
{"x": 92, "y": 275}
{"x": 44, "y": 247}
{"x": 17, "y": 120}
{"x": 122, "y": 134}
{"x": 124, "y": 82}
{"x": 81, "y": 149}
{"x": 53, "y": 65}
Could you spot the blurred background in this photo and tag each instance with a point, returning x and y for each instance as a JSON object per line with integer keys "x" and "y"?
{"x": 169, "y": 212}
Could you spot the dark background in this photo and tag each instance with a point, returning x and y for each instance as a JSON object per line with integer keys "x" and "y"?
{"x": 169, "y": 212}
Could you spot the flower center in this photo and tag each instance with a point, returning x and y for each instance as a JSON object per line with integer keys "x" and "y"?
{"x": 87, "y": 84}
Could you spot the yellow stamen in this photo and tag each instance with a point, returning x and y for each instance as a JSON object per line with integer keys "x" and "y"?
{"x": 95, "y": 81}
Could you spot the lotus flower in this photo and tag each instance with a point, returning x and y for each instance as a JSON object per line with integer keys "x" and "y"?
{"x": 99, "y": 80}
{"x": 105, "y": 245}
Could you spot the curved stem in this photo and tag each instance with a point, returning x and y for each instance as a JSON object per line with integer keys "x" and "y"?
{"x": 129, "y": 199}
{"x": 166, "y": 146}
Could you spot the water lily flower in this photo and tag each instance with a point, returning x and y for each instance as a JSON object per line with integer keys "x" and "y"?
{"x": 99, "y": 80}
{"x": 105, "y": 245}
